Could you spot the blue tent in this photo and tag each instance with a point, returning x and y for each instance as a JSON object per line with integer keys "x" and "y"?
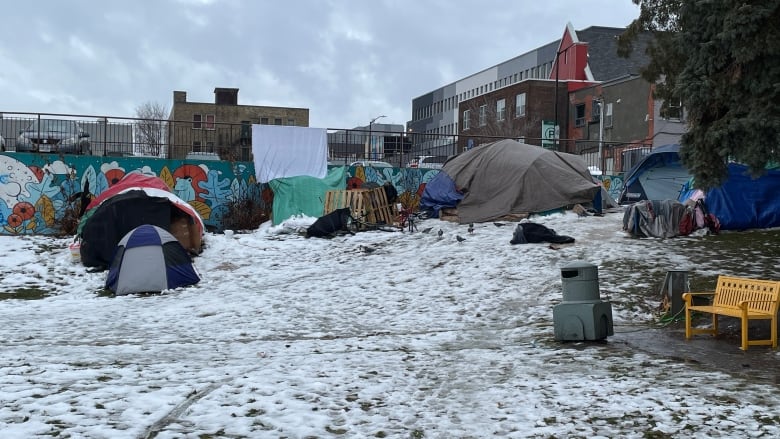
{"x": 660, "y": 175}
{"x": 149, "y": 259}
{"x": 743, "y": 202}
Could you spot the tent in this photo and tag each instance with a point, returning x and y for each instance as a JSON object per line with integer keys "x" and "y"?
{"x": 743, "y": 202}
{"x": 149, "y": 259}
{"x": 509, "y": 177}
{"x": 135, "y": 200}
{"x": 660, "y": 175}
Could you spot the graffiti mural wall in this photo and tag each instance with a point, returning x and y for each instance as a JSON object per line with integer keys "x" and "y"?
{"x": 409, "y": 182}
{"x": 613, "y": 184}
{"x": 38, "y": 191}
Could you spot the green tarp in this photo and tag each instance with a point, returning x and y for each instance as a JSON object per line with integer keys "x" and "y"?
{"x": 304, "y": 195}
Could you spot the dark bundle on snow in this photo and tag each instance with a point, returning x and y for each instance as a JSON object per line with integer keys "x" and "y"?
{"x": 328, "y": 225}
{"x": 532, "y": 233}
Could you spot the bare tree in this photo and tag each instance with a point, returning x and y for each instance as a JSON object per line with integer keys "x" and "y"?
{"x": 150, "y": 130}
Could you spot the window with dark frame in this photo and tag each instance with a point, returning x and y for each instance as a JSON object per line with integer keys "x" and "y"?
{"x": 264, "y": 121}
{"x": 672, "y": 109}
{"x": 278, "y": 121}
{"x": 579, "y": 115}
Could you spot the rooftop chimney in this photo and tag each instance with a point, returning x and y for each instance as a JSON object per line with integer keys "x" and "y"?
{"x": 226, "y": 96}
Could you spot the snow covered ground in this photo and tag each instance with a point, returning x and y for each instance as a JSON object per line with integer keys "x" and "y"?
{"x": 423, "y": 337}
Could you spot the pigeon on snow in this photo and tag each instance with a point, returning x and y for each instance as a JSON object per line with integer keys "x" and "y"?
{"x": 367, "y": 249}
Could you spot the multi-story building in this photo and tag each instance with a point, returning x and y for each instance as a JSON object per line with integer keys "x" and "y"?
{"x": 388, "y": 143}
{"x": 538, "y": 83}
{"x": 223, "y": 127}
{"x": 520, "y": 111}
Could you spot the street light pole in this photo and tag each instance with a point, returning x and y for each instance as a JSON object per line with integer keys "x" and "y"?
{"x": 370, "y": 139}
{"x": 600, "y": 100}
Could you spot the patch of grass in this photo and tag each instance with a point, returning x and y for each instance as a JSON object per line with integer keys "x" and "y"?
{"x": 26, "y": 293}
{"x": 105, "y": 292}
{"x": 255, "y": 412}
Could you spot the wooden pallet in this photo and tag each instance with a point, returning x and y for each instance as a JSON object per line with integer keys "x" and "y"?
{"x": 383, "y": 212}
{"x": 368, "y": 206}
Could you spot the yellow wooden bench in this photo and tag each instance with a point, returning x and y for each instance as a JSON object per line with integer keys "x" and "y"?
{"x": 746, "y": 299}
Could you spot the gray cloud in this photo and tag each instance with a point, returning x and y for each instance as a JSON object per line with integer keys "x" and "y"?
{"x": 345, "y": 60}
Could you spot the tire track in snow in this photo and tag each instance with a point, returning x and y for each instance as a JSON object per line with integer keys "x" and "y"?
{"x": 173, "y": 415}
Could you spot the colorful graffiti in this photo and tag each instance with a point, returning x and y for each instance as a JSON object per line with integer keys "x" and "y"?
{"x": 613, "y": 184}
{"x": 410, "y": 183}
{"x": 38, "y": 191}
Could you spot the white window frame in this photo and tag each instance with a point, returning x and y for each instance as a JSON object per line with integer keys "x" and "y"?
{"x": 210, "y": 122}
{"x": 197, "y": 121}
{"x": 608, "y": 115}
{"x": 482, "y": 115}
{"x": 466, "y": 119}
{"x": 500, "y": 109}
{"x": 520, "y": 105}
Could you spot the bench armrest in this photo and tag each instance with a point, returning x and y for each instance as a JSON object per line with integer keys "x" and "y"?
{"x": 688, "y": 297}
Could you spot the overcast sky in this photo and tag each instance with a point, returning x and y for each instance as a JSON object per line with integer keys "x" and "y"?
{"x": 348, "y": 61}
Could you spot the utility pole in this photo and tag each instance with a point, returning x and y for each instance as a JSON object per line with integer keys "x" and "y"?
{"x": 370, "y": 139}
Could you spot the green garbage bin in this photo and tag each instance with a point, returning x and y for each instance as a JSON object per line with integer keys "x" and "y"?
{"x": 581, "y": 315}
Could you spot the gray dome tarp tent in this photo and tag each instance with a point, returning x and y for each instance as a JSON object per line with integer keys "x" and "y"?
{"x": 509, "y": 177}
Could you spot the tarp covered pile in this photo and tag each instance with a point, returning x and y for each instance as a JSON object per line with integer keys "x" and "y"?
{"x": 508, "y": 177}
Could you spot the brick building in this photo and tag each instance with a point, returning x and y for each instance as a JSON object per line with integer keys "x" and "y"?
{"x": 223, "y": 127}
{"x": 517, "y": 111}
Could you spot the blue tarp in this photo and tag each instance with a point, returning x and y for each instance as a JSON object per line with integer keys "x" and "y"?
{"x": 745, "y": 203}
{"x": 440, "y": 192}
